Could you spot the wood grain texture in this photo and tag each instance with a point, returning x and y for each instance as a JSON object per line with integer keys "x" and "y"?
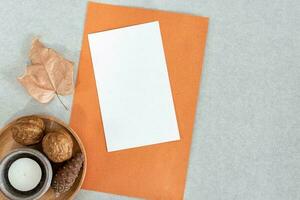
{"x": 7, "y": 144}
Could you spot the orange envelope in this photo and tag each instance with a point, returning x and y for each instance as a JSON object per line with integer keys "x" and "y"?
{"x": 155, "y": 171}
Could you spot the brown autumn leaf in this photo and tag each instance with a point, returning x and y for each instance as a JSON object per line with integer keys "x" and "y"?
{"x": 48, "y": 75}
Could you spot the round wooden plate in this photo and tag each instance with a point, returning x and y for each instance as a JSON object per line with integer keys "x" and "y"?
{"x": 7, "y": 144}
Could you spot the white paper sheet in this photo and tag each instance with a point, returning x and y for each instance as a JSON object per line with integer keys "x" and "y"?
{"x": 133, "y": 86}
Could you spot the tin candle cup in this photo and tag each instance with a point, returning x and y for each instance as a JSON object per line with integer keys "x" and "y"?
{"x": 42, "y": 187}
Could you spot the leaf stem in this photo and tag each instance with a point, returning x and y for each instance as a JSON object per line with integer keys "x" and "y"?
{"x": 61, "y": 102}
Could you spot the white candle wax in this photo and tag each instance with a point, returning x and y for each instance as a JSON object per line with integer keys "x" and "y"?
{"x": 24, "y": 174}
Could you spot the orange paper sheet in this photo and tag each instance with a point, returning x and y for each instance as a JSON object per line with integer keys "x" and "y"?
{"x": 155, "y": 171}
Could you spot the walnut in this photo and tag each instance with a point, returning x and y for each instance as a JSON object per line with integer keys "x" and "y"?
{"x": 58, "y": 146}
{"x": 28, "y": 130}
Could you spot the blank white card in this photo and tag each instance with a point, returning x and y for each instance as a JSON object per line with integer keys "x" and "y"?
{"x": 133, "y": 86}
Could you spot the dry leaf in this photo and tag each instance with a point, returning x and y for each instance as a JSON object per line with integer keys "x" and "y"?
{"x": 49, "y": 74}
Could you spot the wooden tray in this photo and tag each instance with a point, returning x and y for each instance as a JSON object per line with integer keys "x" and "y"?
{"x": 7, "y": 144}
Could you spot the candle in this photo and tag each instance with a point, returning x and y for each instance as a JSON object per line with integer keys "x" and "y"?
{"x": 24, "y": 174}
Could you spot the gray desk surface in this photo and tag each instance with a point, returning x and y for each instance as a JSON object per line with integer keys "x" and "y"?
{"x": 246, "y": 142}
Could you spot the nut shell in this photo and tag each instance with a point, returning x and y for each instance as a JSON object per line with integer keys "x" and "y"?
{"x": 58, "y": 146}
{"x": 28, "y": 130}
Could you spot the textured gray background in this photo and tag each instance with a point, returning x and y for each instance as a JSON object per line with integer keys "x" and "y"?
{"x": 247, "y": 129}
